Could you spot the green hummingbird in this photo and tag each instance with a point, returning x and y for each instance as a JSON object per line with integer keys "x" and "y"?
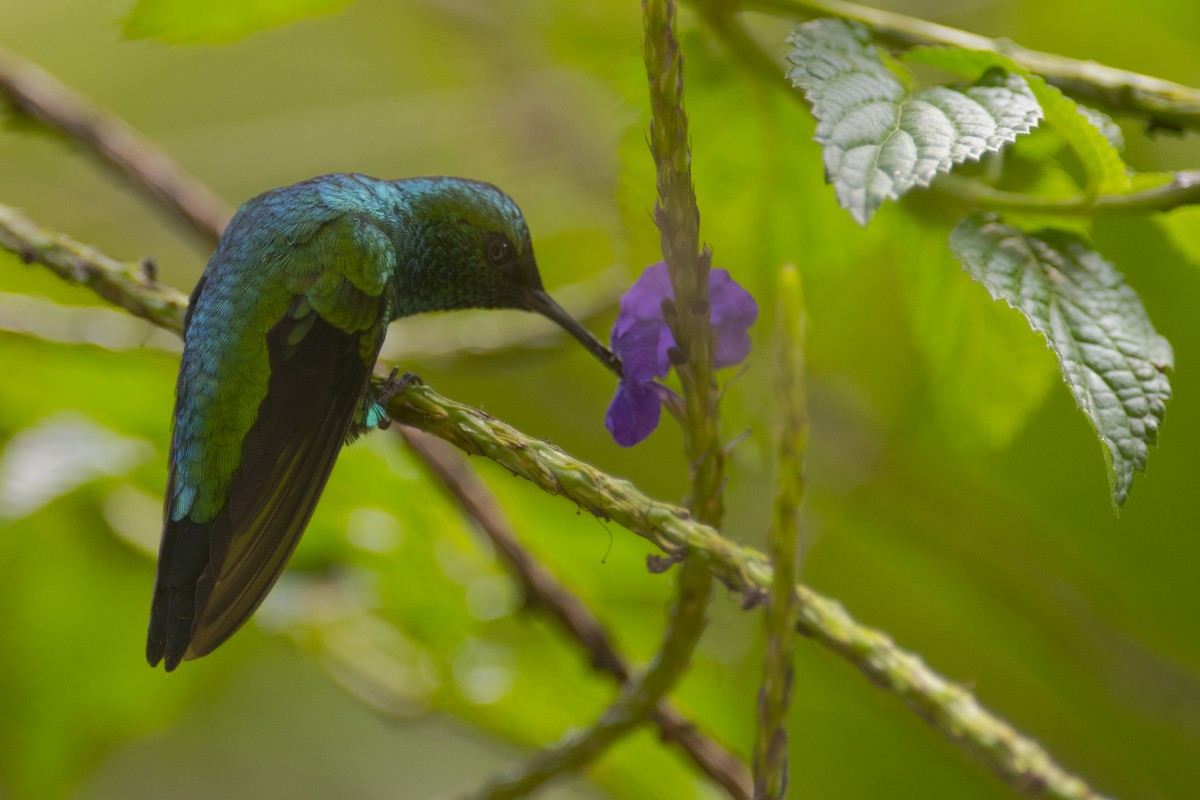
{"x": 281, "y": 337}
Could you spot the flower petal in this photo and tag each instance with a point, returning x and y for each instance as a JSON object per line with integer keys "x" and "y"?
{"x": 642, "y": 350}
{"x": 644, "y": 299}
{"x": 733, "y": 312}
{"x": 634, "y": 413}
{"x": 640, "y": 337}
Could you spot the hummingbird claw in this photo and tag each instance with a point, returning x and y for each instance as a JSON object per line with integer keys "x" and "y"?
{"x": 392, "y": 386}
{"x": 373, "y": 411}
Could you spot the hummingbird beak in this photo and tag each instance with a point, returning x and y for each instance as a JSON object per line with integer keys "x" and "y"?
{"x": 541, "y": 302}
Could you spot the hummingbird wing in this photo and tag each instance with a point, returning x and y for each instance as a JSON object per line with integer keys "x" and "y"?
{"x": 263, "y": 405}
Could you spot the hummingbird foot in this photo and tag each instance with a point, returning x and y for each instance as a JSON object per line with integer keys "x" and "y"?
{"x": 372, "y": 413}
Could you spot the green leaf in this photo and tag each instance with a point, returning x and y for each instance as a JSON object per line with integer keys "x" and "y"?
{"x": 1111, "y": 357}
{"x": 218, "y": 21}
{"x": 1092, "y": 135}
{"x": 1105, "y": 124}
{"x": 881, "y": 139}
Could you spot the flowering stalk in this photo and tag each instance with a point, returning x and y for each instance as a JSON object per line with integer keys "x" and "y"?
{"x": 678, "y": 219}
{"x": 775, "y": 696}
{"x": 688, "y": 317}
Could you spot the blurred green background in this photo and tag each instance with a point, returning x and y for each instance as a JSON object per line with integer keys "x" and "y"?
{"x": 957, "y": 499}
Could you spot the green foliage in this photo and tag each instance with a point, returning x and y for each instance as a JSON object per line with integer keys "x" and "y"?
{"x": 986, "y": 373}
{"x": 949, "y": 499}
{"x": 64, "y": 575}
{"x": 883, "y": 138}
{"x": 218, "y": 21}
{"x": 1112, "y": 359}
{"x": 1183, "y": 226}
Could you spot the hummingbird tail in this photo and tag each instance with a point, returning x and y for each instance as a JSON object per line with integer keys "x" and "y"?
{"x": 183, "y": 558}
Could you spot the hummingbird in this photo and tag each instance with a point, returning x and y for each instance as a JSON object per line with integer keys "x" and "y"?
{"x": 280, "y": 340}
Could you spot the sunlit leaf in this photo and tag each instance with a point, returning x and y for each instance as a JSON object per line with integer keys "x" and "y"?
{"x": 1111, "y": 357}
{"x": 218, "y": 21}
{"x": 882, "y": 139}
{"x": 1092, "y": 135}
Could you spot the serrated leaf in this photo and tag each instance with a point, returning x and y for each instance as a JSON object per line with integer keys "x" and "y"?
{"x": 218, "y": 21}
{"x": 880, "y": 139}
{"x": 1105, "y": 124}
{"x": 1092, "y": 135}
{"x": 1111, "y": 358}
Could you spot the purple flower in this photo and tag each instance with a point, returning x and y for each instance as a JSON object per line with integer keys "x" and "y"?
{"x": 642, "y": 340}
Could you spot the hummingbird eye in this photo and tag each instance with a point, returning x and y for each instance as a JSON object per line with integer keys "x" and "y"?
{"x": 498, "y": 250}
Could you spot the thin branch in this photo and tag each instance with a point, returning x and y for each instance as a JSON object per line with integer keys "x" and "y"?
{"x": 1163, "y": 104}
{"x": 122, "y": 284}
{"x": 38, "y": 95}
{"x": 1183, "y": 188}
{"x": 543, "y": 591}
{"x": 775, "y": 696}
{"x": 636, "y": 702}
{"x": 948, "y": 707}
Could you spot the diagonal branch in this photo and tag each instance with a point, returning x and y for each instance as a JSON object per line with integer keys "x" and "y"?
{"x": 948, "y": 707}
{"x": 542, "y": 590}
{"x": 1179, "y": 189}
{"x": 37, "y": 94}
{"x": 122, "y": 284}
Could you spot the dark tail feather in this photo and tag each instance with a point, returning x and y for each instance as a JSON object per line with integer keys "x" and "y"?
{"x": 181, "y": 560}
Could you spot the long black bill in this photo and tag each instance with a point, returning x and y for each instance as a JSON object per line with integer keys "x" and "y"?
{"x": 544, "y": 304}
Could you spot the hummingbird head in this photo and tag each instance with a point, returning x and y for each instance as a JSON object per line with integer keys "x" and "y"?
{"x": 473, "y": 250}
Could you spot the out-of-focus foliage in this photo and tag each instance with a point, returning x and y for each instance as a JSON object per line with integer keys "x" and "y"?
{"x": 955, "y": 496}
{"x": 218, "y": 21}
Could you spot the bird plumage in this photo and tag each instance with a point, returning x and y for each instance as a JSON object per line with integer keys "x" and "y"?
{"x": 281, "y": 337}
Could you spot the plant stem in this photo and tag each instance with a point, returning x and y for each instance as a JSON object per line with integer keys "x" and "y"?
{"x": 636, "y": 702}
{"x": 1183, "y": 188}
{"x": 678, "y": 220}
{"x": 775, "y": 696}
